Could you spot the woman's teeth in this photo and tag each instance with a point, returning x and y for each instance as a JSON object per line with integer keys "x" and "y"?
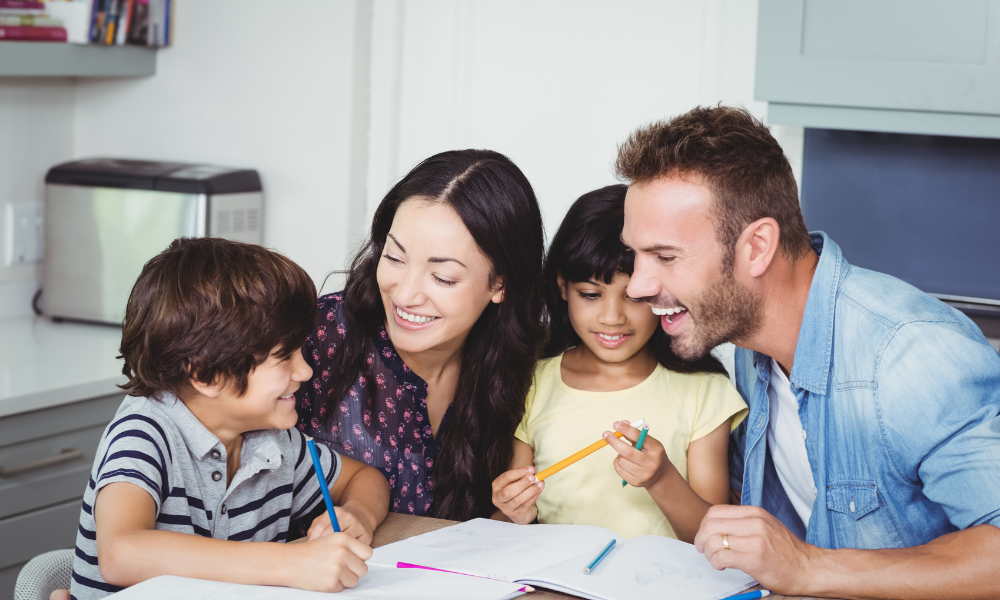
{"x": 412, "y": 318}
{"x": 668, "y": 312}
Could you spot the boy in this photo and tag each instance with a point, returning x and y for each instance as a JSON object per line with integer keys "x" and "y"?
{"x": 203, "y": 453}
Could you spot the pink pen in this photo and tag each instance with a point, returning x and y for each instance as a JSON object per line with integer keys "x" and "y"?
{"x": 403, "y": 565}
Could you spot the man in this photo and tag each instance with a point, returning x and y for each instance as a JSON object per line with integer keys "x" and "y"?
{"x": 869, "y": 465}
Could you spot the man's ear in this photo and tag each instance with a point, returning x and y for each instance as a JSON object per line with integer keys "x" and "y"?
{"x": 563, "y": 288}
{"x": 210, "y": 390}
{"x": 498, "y": 291}
{"x": 757, "y": 245}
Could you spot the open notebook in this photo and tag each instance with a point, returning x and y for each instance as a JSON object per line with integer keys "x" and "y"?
{"x": 553, "y": 556}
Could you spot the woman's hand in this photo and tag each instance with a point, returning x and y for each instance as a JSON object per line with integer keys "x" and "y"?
{"x": 351, "y": 522}
{"x": 514, "y": 493}
{"x": 640, "y": 468}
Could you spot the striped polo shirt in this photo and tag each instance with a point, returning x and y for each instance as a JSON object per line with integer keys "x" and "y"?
{"x": 164, "y": 449}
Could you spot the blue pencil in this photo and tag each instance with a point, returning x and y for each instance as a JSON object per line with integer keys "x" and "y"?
{"x": 600, "y": 557}
{"x": 638, "y": 444}
{"x": 750, "y": 595}
{"x": 322, "y": 484}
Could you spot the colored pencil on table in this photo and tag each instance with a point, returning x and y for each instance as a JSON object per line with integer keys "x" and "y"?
{"x": 323, "y": 487}
{"x": 559, "y": 466}
{"x": 593, "y": 564}
{"x": 750, "y": 595}
{"x": 638, "y": 444}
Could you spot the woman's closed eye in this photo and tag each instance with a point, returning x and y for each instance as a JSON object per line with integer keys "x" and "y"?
{"x": 391, "y": 258}
{"x": 444, "y": 281}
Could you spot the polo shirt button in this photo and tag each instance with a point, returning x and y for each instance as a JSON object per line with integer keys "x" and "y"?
{"x": 224, "y": 509}
{"x": 216, "y": 476}
{"x": 216, "y": 454}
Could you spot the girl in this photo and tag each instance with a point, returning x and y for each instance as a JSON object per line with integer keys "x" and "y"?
{"x": 422, "y": 363}
{"x": 609, "y": 360}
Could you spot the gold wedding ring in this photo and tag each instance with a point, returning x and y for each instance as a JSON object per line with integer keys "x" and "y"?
{"x": 725, "y": 541}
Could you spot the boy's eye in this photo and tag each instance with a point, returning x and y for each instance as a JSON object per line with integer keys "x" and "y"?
{"x": 444, "y": 281}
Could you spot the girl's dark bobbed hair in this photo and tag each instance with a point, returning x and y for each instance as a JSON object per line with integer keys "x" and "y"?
{"x": 588, "y": 246}
{"x": 498, "y": 206}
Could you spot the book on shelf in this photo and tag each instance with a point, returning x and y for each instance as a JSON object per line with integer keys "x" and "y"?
{"x": 21, "y": 7}
{"x": 32, "y": 34}
{"x": 136, "y": 22}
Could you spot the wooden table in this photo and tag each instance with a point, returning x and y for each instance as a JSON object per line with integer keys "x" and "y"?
{"x": 399, "y": 527}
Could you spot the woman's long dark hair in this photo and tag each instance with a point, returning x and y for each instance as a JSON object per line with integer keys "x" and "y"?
{"x": 588, "y": 245}
{"x": 497, "y": 205}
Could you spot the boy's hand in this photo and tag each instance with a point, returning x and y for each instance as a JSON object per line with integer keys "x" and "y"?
{"x": 640, "y": 468}
{"x": 514, "y": 493}
{"x": 329, "y": 563}
{"x": 351, "y": 522}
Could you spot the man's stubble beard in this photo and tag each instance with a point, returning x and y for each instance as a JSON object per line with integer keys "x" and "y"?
{"x": 727, "y": 311}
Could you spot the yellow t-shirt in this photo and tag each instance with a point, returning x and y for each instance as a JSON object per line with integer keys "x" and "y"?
{"x": 560, "y": 420}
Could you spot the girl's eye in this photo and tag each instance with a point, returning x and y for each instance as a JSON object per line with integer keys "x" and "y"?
{"x": 635, "y": 300}
{"x": 391, "y": 258}
{"x": 444, "y": 281}
{"x": 590, "y": 295}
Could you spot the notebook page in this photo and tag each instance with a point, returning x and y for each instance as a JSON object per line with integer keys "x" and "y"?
{"x": 647, "y": 566}
{"x": 494, "y": 549}
{"x": 380, "y": 583}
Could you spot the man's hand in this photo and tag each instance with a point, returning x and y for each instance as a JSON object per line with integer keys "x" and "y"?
{"x": 329, "y": 563}
{"x": 759, "y": 545}
{"x": 640, "y": 468}
{"x": 351, "y": 522}
{"x": 515, "y": 492}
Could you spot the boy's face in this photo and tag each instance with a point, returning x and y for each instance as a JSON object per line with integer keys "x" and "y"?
{"x": 269, "y": 402}
{"x": 611, "y": 325}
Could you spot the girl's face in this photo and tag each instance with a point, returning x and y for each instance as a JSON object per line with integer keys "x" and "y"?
{"x": 434, "y": 280}
{"x": 612, "y": 325}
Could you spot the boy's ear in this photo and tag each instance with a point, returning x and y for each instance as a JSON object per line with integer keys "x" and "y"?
{"x": 563, "y": 291}
{"x": 210, "y": 390}
{"x": 498, "y": 291}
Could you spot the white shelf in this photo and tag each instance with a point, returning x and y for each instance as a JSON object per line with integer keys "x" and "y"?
{"x": 56, "y": 59}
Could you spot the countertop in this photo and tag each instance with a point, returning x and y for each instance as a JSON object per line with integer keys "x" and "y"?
{"x": 45, "y": 364}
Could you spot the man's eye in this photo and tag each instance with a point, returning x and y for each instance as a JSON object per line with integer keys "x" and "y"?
{"x": 666, "y": 259}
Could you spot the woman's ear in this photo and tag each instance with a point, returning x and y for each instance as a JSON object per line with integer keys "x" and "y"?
{"x": 562, "y": 287}
{"x": 498, "y": 291}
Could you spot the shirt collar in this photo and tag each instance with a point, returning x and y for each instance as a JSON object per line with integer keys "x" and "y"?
{"x": 813, "y": 349}
{"x": 198, "y": 439}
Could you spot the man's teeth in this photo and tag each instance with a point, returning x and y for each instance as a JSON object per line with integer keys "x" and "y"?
{"x": 611, "y": 338}
{"x": 667, "y": 311}
{"x": 413, "y": 318}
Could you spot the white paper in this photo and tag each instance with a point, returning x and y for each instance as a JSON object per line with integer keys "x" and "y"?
{"x": 494, "y": 548}
{"x": 647, "y": 566}
{"x": 380, "y": 583}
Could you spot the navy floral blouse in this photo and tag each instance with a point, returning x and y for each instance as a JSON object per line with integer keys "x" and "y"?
{"x": 382, "y": 423}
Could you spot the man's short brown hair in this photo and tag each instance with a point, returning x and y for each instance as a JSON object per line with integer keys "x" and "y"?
{"x": 212, "y": 310}
{"x": 740, "y": 161}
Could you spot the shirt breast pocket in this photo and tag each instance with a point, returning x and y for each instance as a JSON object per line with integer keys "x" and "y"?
{"x": 858, "y": 516}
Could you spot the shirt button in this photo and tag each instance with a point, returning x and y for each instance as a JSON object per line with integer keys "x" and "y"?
{"x": 224, "y": 509}
{"x": 216, "y": 476}
{"x": 216, "y": 454}
{"x": 804, "y": 435}
{"x": 852, "y": 505}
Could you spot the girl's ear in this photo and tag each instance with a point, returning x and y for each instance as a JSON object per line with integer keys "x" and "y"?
{"x": 563, "y": 290}
{"x": 498, "y": 293}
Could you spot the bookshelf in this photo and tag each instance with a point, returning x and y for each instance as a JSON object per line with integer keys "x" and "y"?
{"x": 50, "y": 59}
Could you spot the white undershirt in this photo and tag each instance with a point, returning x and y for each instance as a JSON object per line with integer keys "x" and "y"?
{"x": 787, "y": 441}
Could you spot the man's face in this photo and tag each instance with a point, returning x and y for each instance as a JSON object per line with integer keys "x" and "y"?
{"x": 669, "y": 224}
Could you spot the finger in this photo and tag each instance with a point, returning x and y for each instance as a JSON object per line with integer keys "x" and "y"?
{"x": 626, "y": 470}
{"x": 621, "y": 447}
{"x": 319, "y": 530}
{"x": 363, "y": 551}
{"x": 729, "y": 559}
{"x": 514, "y": 489}
{"x": 356, "y": 567}
{"x": 511, "y": 476}
{"x": 757, "y": 524}
{"x": 527, "y": 497}
{"x": 630, "y": 433}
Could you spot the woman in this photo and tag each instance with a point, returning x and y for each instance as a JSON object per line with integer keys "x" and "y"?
{"x": 421, "y": 365}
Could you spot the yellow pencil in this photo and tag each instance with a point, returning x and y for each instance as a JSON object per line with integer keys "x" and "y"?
{"x": 559, "y": 466}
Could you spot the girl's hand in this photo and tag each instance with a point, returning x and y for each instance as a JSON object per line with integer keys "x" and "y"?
{"x": 329, "y": 563}
{"x": 351, "y": 523}
{"x": 641, "y": 468}
{"x": 514, "y": 493}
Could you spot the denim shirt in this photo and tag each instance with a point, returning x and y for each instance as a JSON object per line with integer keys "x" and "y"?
{"x": 899, "y": 397}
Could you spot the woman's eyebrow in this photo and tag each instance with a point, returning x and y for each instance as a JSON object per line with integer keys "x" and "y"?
{"x": 439, "y": 259}
{"x": 397, "y": 242}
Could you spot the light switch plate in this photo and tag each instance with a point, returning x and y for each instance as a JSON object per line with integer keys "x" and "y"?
{"x": 25, "y": 233}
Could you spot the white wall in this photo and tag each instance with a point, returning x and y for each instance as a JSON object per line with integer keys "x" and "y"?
{"x": 555, "y": 85}
{"x": 249, "y": 83}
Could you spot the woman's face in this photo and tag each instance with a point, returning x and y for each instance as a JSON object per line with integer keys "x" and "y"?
{"x": 434, "y": 280}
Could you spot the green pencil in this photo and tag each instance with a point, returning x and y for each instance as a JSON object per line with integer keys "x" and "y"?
{"x": 638, "y": 444}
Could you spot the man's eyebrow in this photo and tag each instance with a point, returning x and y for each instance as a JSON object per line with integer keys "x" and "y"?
{"x": 397, "y": 242}
{"x": 439, "y": 259}
{"x": 661, "y": 248}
